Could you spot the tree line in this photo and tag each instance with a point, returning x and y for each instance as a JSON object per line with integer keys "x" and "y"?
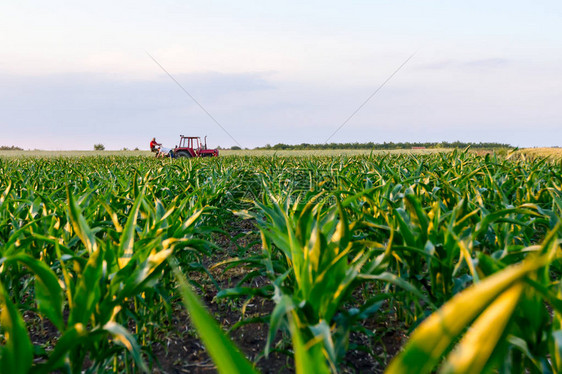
{"x": 385, "y": 145}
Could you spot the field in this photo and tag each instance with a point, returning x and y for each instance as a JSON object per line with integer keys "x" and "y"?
{"x": 404, "y": 262}
{"x": 51, "y": 154}
{"x": 552, "y": 153}
{"x": 328, "y": 152}
{"x": 223, "y": 152}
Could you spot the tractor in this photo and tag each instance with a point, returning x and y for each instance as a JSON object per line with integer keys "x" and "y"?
{"x": 191, "y": 146}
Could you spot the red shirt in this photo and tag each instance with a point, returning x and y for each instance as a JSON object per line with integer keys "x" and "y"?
{"x": 153, "y": 144}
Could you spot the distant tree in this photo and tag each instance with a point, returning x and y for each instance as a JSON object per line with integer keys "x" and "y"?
{"x": 99, "y": 147}
{"x": 12, "y": 148}
{"x": 235, "y": 148}
{"x": 386, "y": 145}
{"x": 136, "y": 148}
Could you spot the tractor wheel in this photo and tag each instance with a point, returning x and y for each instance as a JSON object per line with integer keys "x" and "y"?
{"x": 182, "y": 154}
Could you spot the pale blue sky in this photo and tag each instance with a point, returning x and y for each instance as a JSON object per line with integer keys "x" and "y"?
{"x": 76, "y": 73}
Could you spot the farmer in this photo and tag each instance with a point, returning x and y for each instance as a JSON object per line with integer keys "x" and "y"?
{"x": 165, "y": 152}
{"x": 153, "y": 145}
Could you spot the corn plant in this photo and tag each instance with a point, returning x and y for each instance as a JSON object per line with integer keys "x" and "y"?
{"x": 510, "y": 329}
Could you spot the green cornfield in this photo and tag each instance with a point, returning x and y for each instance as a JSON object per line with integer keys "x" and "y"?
{"x": 398, "y": 263}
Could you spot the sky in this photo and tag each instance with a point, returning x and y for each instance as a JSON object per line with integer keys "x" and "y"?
{"x": 75, "y": 73}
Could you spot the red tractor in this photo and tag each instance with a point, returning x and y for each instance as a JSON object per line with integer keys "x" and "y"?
{"x": 191, "y": 146}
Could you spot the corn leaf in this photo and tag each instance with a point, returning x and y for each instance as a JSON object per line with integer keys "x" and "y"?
{"x": 16, "y": 356}
{"x": 475, "y": 348}
{"x": 435, "y": 335}
{"x": 48, "y": 291}
{"x": 79, "y": 223}
{"x": 125, "y": 338}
